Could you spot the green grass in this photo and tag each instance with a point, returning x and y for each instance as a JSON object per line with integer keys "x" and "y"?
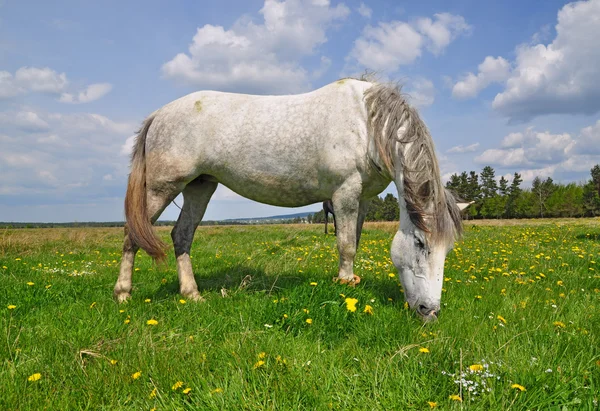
{"x": 521, "y": 301}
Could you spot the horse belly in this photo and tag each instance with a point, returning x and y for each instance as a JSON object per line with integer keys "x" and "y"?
{"x": 276, "y": 184}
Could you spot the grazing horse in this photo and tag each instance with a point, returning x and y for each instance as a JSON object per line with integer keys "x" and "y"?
{"x": 328, "y": 209}
{"x": 345, "y": 141}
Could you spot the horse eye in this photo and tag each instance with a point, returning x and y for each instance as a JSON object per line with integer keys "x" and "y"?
{"x": 419, "y": 243}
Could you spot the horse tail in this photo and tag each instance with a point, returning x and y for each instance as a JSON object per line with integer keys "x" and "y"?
{"x": 138, "y": 224}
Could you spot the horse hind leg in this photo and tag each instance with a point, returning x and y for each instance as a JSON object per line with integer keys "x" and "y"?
{"x": 196, "y": 196}
{"x": 157, "y": 202}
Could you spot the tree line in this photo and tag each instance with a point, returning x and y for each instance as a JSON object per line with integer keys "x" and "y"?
{"x": 545, "y": 198}
{"x": 505, "y": 198}
{"x": 380, "y": 209}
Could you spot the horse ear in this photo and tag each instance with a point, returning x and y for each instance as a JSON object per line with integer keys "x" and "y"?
{"x": 462, "y": 206}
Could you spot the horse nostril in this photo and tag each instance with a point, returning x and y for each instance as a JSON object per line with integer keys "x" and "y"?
{"x": 428, "y": 312}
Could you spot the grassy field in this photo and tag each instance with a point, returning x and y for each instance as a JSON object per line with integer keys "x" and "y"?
{"x": 519, "y": 328}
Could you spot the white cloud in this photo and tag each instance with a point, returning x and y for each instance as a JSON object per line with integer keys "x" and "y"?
{"x": 391, "y": 45}
{"x": 43, "y": 80}
{"x": 589, "y": 140}
{"x": 260, "y": 58}
{"x": 53, "y": 140}
{"x": 387, "y": 46}
{"x": 364, "y": 10}
{"x": 561, "y": 77}
{"x": 440, "y": 32}
{"x": 127, "y": 147}
{"x": 24, "y": 120}
{"x": 544, "y": 153}
{"x": 48, "y": 81}
{"x": 323, "y": 67}
{"x": 464, "y": 149}
{"x": 90, "y": 93}
{"x": 491, "y": 70}
{"x": 54, "y": 155}
{"x": 8, "y": 86}
{"x": 421, "y": 92}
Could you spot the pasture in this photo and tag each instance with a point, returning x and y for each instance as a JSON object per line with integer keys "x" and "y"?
{"x": 519, "y": 327}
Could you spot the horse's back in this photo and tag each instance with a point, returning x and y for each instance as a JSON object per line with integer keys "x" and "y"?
{"x": 284, "y": 150}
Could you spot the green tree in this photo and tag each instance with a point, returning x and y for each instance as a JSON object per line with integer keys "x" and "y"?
{"x": 489, "y": 186}
{"x": 374, "y": 212}
{"x": 595, "y": 171}
{"x": 503, "y": 186}
{"x": 514, "y": 191}
{"x": 542, "y": 190}
{"x": 473, "y": 192}
{"x": 591, "y": 199}
{"x": 318, "y": 217}
{"x": 391, "y": 209}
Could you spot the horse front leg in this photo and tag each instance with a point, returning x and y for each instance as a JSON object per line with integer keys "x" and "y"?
{"x": 347, "y": 209}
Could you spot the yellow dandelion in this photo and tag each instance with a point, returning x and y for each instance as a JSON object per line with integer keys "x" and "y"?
{"x": 501, "y": 319}
{"x": 177, "y": 385}
{"x": 305, "y": 310}
{"x": 351, "y": 304}
{"x": 258, "y": 364}
{"x": 559, "y": 324}
{"x": 92, "y": 305}
{"x": 262, "y": 355}
{"x": 368, "y": 309}
{"x": 405, "y": 304}
{"x": 30, "y": 283}
{"x": 391, "y": 275}
{"x": 187, "y": 390}
{"x": 12, "y": 307}
{"x": 127, "y": 321}
{"x": 34, "y": 377}
{"x": 309, "y": 321}
{"x": 217, "y": 390}
{"x": 424, "y": 350}
{"x": 147, "y": 300}
{"x": 152, "y": 322}
{"x": 182, "y": 301}
{"x": 114, "y": 362}
{"x": 518, "y": 387}
{"x": 153, "y": 394}
{"x": 455, "y": 397}
{"x": 476, "y": 367}
{"x": 136, "y": 375}
{"x": 432, "y": 404}
{"x": 314, "y": 284}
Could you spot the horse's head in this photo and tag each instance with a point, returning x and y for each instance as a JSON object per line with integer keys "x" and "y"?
{"x": 419, "y": 252}
{"x": 430, "y": 219}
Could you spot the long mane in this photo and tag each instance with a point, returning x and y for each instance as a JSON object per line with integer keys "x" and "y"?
{"x": 402, "y": 140}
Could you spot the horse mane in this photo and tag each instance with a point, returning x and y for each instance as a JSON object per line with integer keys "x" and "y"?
{"x": 402, "y": 140}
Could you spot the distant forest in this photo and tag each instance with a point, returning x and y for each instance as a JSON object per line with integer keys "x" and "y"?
{"x": 502, "y": 198}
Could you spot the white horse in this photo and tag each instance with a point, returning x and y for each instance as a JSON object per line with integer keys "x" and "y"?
{"x": 345, "y": 142}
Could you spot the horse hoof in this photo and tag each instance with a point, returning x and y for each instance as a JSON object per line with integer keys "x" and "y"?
{"x": 122, "y": 297}
{"x": 196, "y": 297}
{"x": 352, "y": 283}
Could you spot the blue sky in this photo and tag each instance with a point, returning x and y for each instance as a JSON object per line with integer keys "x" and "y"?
{"x": 510, "y": 84}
